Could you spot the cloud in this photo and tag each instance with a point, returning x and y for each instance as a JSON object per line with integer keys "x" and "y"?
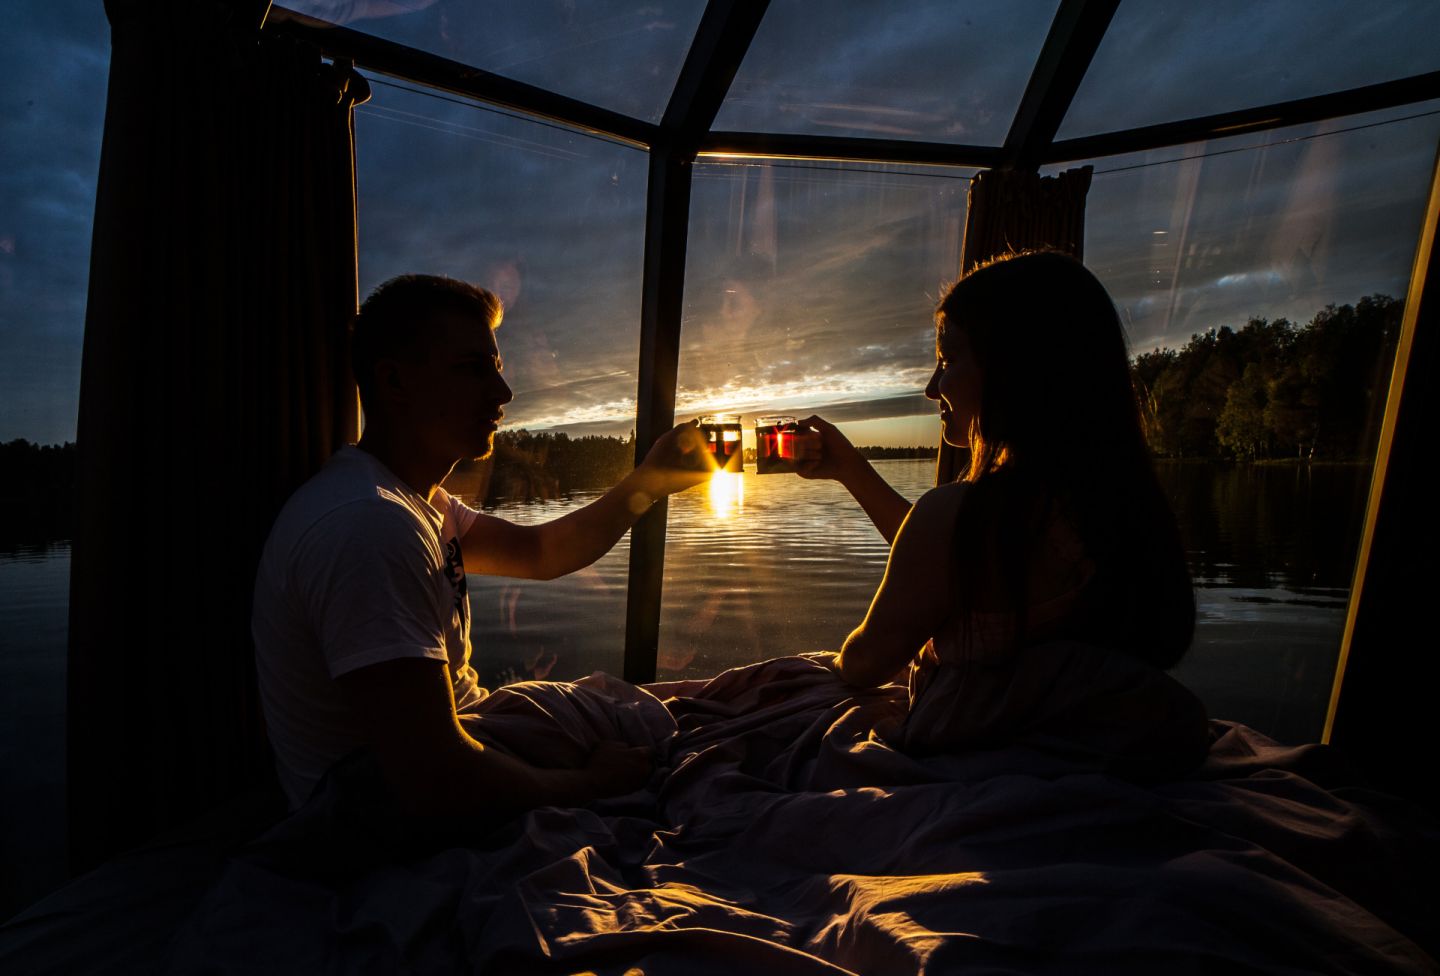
{"x": 903, "y": 405}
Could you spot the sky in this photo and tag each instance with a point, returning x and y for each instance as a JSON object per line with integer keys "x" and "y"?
{"x": 54, "y": 56}
{"x": 809, "y": 285}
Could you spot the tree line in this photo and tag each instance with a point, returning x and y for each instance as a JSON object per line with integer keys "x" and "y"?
{"x": 37, "y": 488}
{"x": 1272, "y": 389}
{"x": 548, "y": 464}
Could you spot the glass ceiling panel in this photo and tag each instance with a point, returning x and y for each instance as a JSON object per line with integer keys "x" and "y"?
{"x": 624, "y": 55}
{"x": 933, "y": 70}
{"x": 1163, "y": 61}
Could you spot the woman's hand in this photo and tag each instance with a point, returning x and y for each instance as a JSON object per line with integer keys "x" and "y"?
{"x": 677, "y": 460}
{"x": 840, "y": 461}
{"x": 838, "y": 457}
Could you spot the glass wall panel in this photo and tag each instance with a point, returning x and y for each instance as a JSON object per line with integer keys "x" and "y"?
{"x": 54, "y": 61}
{"x": 933, "y": 70}
{"x": 810, "y": 289}
{"x": 1261, "y": 280}
{"x": 552, "y": 221}
{"x": 624, "y": 55}
{"x": 1163, "y": 61}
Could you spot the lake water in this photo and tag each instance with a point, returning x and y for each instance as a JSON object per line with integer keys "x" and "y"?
{"x": 785, "y": 565}
{"x": 779, "y": 566}
{"x": 34, "y": 594}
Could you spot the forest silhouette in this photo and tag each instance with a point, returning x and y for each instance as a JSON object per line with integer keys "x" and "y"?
{"x": 1274, "y": 389}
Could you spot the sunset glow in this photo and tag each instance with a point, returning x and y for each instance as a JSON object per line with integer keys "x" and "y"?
{"x": 800, "y": 395}
{"x": 727, "y": 494}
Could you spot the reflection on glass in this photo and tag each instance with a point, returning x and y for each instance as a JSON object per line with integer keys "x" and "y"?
{"x": 727, "y": 494}
{"x": 552, "y": 222}
{"x": 930, "y": 70}
{"x": 558, "y": 629}
{"x": 1262, "y": 290}
{"x": 623, "y": 55}
{"x": 1193, "y": 59}
{"x": 810, "y": 289}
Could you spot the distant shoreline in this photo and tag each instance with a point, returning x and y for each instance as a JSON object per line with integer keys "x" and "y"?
{"x": 1271, "y": 462}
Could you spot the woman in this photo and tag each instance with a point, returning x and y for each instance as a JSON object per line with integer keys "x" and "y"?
{"x": 1047, "y": 585}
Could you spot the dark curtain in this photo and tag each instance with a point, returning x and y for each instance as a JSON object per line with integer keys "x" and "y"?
{"x": 214, "y": 381}
{"x": 1015, "y": 210}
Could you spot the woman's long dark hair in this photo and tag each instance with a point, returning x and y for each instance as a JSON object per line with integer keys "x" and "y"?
{"x": 1058, "y": 432}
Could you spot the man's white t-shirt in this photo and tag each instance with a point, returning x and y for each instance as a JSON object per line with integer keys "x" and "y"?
{"x": 358, "y": 569}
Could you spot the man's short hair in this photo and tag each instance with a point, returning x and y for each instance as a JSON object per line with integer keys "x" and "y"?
{"x": 397, "y": 321}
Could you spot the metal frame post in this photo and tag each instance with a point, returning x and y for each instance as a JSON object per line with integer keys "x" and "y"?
{"x": 720, "y": 43}
{"x": 667, "y": 220}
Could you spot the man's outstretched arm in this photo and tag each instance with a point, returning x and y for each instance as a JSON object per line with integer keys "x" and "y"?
{"x": 495, "y": 547}
{"x": 406, "y": 709}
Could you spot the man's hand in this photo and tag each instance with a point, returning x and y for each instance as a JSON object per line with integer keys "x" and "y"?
{"x": 677, "y": 460}
{"x": 615, "y": 768}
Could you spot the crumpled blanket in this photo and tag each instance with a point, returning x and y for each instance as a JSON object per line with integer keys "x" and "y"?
{"x": 1094, "y": 705}
{"x": 781, "y": 834}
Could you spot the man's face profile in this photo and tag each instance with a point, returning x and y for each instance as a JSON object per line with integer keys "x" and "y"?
{"x": 457, "y": 392}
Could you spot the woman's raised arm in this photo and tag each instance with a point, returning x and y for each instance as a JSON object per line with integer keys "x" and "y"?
{"x": 916, "y": 596}
{"x": 840, "y": 461}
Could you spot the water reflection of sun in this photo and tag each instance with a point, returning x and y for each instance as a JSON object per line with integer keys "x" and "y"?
{"x": 727, "y": 494}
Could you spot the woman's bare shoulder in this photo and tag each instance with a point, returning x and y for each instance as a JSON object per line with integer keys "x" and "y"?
{"x": 931, "y": 523}
{"x": 941, "y": 503}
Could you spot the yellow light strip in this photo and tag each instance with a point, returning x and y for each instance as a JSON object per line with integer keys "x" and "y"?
{"x": 1387, "y": 435}
{"x": 1240, "y": 126}
{"x": 759, "y": 156}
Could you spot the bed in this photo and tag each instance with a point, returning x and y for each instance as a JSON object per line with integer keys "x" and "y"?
{"x": 781, "y": 834}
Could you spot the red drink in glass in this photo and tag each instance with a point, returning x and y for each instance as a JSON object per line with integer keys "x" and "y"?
{"x": 780, "y": 442}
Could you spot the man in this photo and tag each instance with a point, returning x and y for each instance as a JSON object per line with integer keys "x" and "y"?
{"x": 361, "y": 616}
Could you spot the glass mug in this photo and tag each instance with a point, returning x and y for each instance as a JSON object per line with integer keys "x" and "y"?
{"x": 780, "y": 442}
{"x": 722, "y": 438}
